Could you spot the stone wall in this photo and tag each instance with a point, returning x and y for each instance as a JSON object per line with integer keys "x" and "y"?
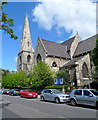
{"x": 80, "y": 79}
{"x": 74, "y": 45}
{"x": 39, "y": 50}
{"x": 59, "y": 61}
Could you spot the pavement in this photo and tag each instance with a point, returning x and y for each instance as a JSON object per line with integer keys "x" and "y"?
{"x": 15, "y": 106}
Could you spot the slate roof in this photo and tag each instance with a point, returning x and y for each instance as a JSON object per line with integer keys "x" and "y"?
{"x": 86, "y": 46}
{"x": 72, "y": 62}
{"x": 68, "y": 42}
{"x": 55, "y": 49}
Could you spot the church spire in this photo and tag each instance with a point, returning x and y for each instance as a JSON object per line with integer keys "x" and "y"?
{"x": 26, "y": 53}
{"x": 26, "y": 43}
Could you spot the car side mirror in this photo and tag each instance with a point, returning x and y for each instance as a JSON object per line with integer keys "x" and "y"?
{"x": 90, "y": 95}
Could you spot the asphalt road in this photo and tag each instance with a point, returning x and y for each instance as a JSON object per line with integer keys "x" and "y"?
{"x": 17, "y": 107}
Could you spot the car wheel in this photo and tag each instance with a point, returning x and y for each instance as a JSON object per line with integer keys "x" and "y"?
{"x": 72, "y": 102}
{"x": 57, "y": 100}
{"x": 97, "y": 105}
{"x": 26, "y": 96}
{"x": 21, "y": 96}
{"x": 42, "y": 98}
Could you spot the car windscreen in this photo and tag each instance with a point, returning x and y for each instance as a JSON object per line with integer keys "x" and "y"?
{"x": 94, "y": 92}
{"x": 56, "y": 91}
{"x": 17, "y": 90}
{"x": 7, "y": 90}
{"x": 29, "y": 91}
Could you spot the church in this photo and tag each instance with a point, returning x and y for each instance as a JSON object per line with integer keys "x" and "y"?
{"x": 73, "y": 54}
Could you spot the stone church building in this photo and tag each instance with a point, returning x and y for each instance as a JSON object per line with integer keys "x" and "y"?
{"x": 73, "y": 54}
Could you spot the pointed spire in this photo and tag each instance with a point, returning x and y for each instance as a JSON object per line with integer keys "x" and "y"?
{"x": 26, "y": 43}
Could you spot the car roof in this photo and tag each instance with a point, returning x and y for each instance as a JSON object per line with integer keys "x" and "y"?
{"x": 50, "y": 89}
{"x": 83, "y": 89}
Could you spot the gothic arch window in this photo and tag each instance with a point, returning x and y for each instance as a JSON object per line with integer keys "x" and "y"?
{"x": 28, "y": 58}
{"x": 39, "y": 58}
{"x": 84, "y": 70}
{"x": 20, "y": 59}
{"x": 54, "y": 64}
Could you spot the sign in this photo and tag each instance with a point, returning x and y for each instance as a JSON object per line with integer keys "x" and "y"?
{"x": 58, "y": 81}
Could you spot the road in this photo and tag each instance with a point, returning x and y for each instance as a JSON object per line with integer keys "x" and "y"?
{"x": 17, "y": 107}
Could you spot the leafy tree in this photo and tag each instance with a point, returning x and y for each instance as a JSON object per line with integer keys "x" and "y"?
{"x": 64, "y": 73}
{"x": 15, "y": 80}
{"x": 42, "y": 76}
{"x": 5, "y": 22}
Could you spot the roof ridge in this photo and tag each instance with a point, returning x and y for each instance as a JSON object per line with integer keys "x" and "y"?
{"x": 68, "y": 39}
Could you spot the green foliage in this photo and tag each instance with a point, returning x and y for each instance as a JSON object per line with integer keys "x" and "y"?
{"x": 42, "y": 76}
{"x": 15, "y": 80}
{"x": 56, "y": 87}
{"x": 67, "y": 87}
{"x": 64, "y": 73}
{"x": 5, "y": 22}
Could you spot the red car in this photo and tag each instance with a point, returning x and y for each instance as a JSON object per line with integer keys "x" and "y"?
{"x": 6, "y": 91}
{"x": 28, "y": 93}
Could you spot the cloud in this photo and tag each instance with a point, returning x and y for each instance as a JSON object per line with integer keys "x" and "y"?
{"x": 16, "y": 59}
{"x": 72, "y": 16}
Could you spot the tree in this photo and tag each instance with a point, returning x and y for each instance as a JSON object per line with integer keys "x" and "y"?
{"x": 42, "y": 76}
{"x": 5, "y": 22}
{"x": 15, "y": 80}
{"x": 64, "y": 73}
{"x": 95, "y": 59}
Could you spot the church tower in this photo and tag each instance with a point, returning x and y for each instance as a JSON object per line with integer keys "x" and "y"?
{"x": 25, "y": 55}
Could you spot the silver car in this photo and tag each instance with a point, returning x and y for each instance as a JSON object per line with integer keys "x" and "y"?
{"x": 54, "y": 95}
{"x": 84, "y": 96}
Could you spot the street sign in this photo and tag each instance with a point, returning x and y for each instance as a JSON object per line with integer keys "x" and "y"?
{"x": 58, "y": 81}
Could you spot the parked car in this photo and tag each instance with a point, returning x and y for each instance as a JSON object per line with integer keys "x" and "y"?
{"x": 14, "y": 92}
{"x": 6, "y": 91}
{"x": 28, "y": 93}
{"x": 54, "y": 95}
{"x": 2, "y": 90}
{"x": 84, "y": 96}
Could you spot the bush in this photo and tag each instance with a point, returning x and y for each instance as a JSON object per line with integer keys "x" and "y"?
{"x": 57, "y": 87}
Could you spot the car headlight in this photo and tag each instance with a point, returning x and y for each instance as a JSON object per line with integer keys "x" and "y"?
{"x": 30, "y": 94}
{"x": 62, "y": 96}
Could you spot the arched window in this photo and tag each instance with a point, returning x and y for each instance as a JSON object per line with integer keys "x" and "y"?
{"x": 84, "y": 70}
{"x": 28, "y": 58}
{"x": 20, "y": 59}
{"x": 39, "y": 58}
{"x": 54, "y": 64}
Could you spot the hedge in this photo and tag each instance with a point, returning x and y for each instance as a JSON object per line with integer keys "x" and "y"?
{"x": 56, "y": 87}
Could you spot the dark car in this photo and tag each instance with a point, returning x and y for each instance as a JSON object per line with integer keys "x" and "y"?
{"x": 14, "y": 92}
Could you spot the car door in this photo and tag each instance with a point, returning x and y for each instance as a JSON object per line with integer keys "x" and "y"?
{"x": 46, "y": 94}
{"x": 88, "y": 98}
{"x": 78, "y": 96}
{"x": 51, "y": 95}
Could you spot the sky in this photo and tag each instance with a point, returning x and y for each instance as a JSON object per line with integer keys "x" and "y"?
{"x": 56, "y": 21}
